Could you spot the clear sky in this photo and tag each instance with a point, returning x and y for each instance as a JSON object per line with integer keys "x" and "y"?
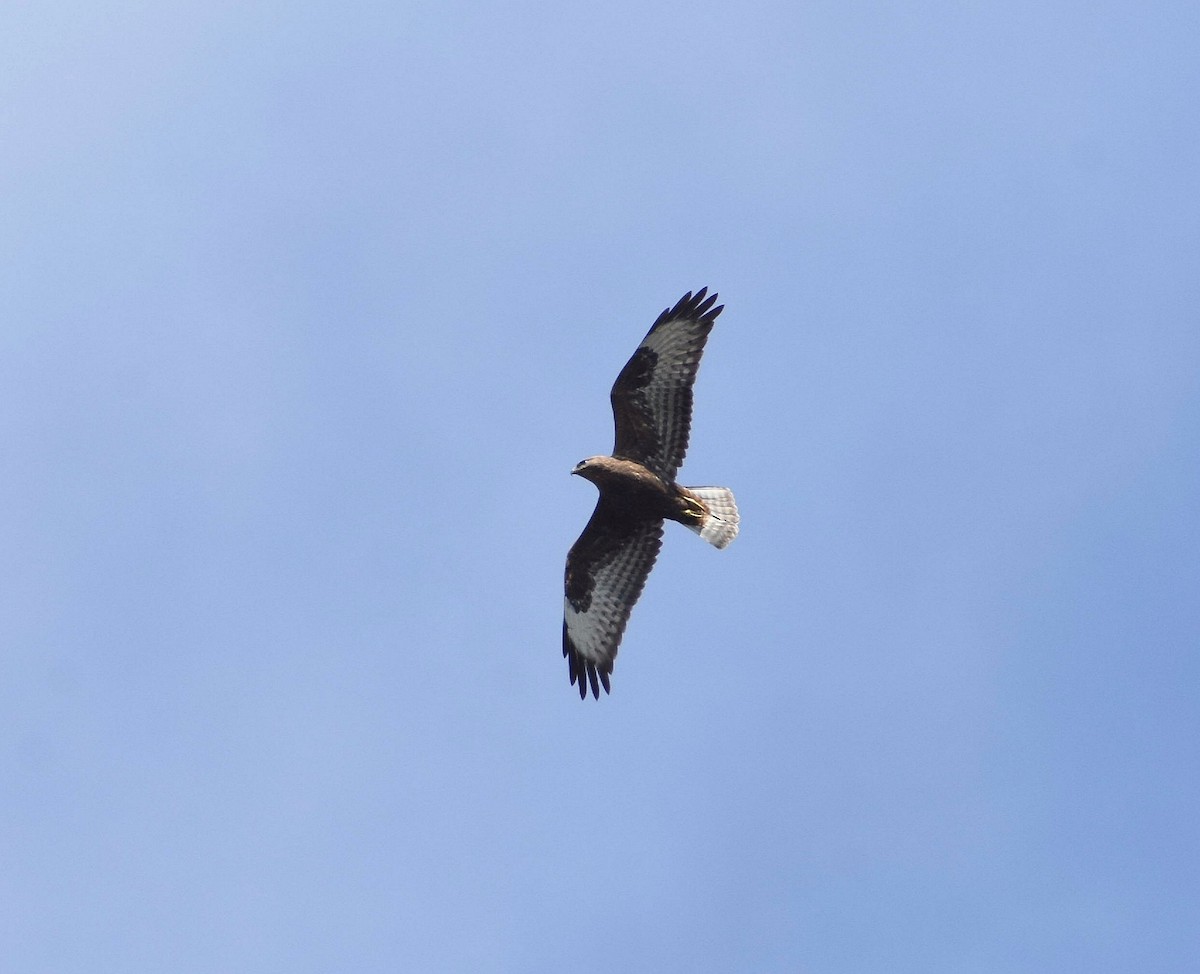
{"x": 307, "y": 311}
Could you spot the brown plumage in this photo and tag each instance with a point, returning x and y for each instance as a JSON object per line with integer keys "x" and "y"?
{"x": 652, "y": 411}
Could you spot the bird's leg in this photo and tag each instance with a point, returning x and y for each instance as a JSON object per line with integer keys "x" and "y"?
{"x": 693, "y": 508}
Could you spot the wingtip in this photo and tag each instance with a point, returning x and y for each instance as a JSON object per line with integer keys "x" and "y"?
{"x": 585, "y": 674}
{"x": 697, "y": 305}
{"x": 703, "y": 305}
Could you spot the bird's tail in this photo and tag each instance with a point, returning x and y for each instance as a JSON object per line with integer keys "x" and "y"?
{"x": 719, "y": 526}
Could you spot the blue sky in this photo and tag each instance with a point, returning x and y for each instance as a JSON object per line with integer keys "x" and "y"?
{"x": 308, "y": 313}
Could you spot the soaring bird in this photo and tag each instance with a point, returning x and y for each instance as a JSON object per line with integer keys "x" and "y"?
{"x": 652, "y": 410}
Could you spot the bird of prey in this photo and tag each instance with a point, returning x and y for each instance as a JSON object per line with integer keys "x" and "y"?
{"x": 652, "y": 411}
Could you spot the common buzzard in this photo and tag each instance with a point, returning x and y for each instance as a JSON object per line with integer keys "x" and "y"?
{"x": 652, "y": 411}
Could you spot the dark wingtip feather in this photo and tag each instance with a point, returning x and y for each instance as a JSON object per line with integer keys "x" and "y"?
{"x": 669, "y": 312}
{"x": 698, "y": 307}
{"x": 583, "y": 671}
{"x": 701, "y": 305}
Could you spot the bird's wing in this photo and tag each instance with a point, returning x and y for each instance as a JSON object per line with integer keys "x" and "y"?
{"x": 606, "y": 570}
{"x": 652, "y": 397}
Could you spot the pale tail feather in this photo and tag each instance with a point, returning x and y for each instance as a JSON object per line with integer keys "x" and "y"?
{"x": 720, "y": 526}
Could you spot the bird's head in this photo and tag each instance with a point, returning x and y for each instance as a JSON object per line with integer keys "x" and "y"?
{"x": 587, "y": 469}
